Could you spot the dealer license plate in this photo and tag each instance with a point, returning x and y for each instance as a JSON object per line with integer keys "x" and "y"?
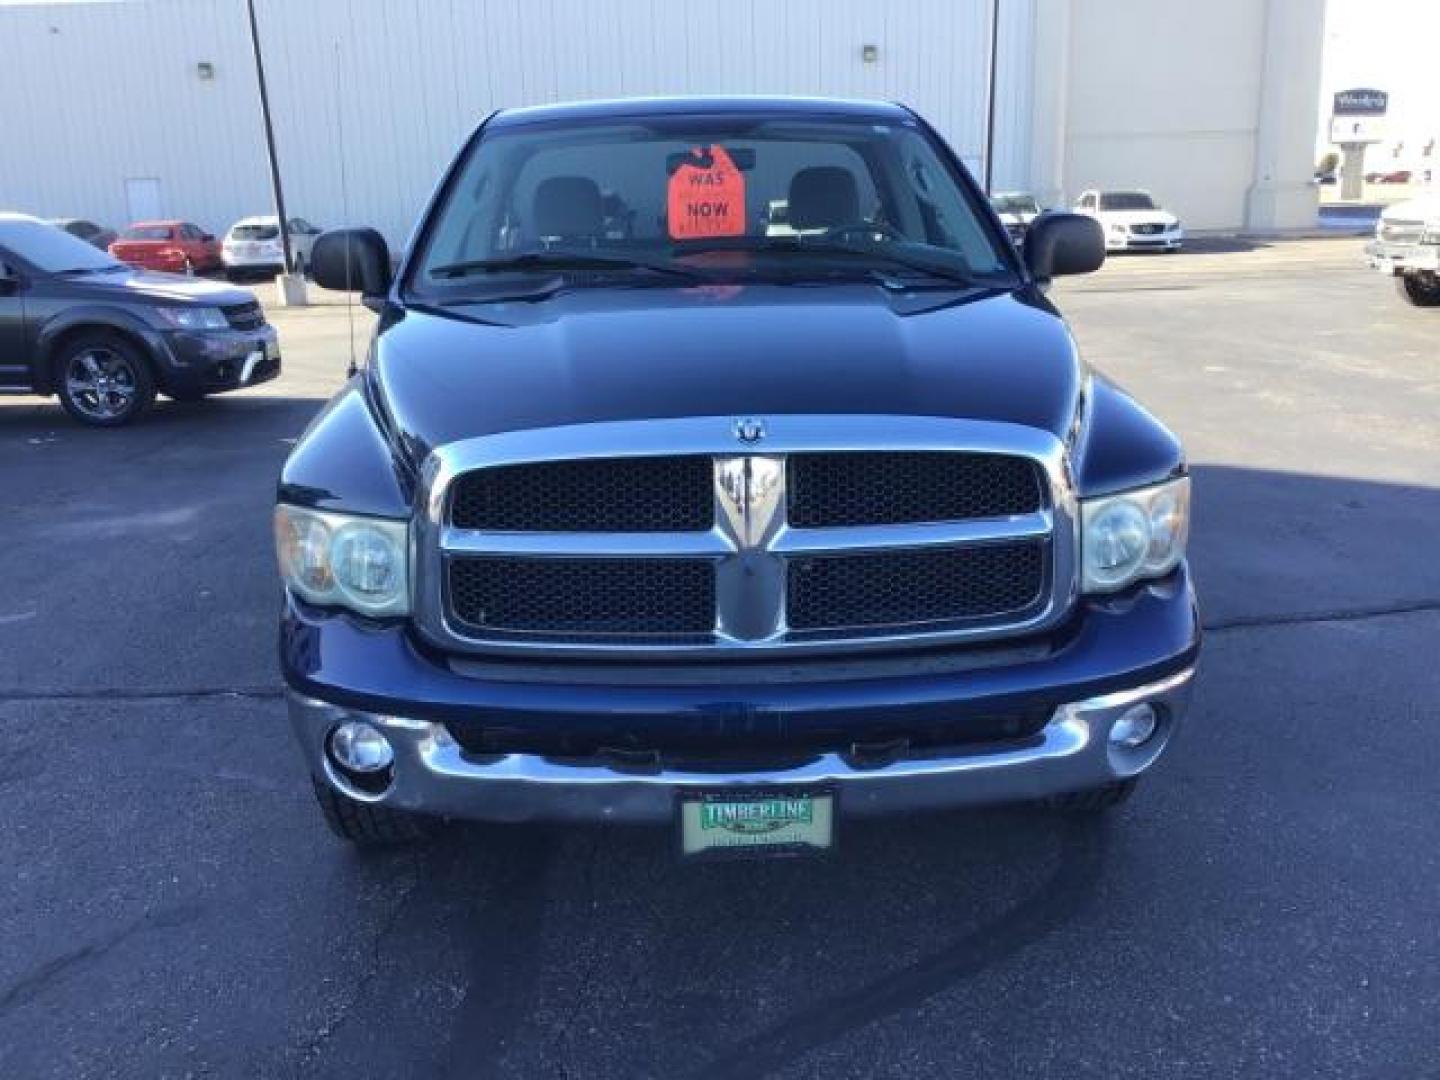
{"x": 756, "y": 822}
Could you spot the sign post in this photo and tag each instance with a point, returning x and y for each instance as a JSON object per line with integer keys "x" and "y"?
{"x": 1357, "y": 121}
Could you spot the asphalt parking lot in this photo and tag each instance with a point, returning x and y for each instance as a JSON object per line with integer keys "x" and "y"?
{"x": 171, "y": 904}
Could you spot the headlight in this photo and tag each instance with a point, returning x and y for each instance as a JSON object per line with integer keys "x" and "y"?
{"x": 1119, "y": 228}
{"x": 193, "y": 318}
{"x": 1173, "y": 226}
{"x": 356, "y": 562}
{"x": 1134, "y": 535}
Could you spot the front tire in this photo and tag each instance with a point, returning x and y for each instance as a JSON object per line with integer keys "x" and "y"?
{"x": 1422, "y": 290}
{"x": 1093, "y": 800}
{"x": 369, "y": 824}
{"x": 103, "y": 380}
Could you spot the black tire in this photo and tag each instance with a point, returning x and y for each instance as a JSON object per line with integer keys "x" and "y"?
{"x": 78, "y": 381}
{"x": 1422, "y": 290}
{"x": 1094, "y": 800}
{"x": 367, "y": 824}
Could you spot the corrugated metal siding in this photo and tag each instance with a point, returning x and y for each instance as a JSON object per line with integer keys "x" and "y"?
{"x": 102, "y": 92}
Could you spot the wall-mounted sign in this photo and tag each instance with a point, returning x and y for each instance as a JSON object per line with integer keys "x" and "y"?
{"x": 1361, "y": 102}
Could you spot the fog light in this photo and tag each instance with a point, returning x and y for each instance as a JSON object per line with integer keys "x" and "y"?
{"x": 361, "y": 748}
{"x": 1134, "y": 727}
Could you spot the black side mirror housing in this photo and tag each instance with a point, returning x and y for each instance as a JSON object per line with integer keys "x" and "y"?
{"x": 9, "y": 281}
{"x": 352, "y": 260}
{"x": 208, "y": 237}
{"x": 1059, "y": 243}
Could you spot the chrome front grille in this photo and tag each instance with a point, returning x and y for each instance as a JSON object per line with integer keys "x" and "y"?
{"x": 833, "y": 532}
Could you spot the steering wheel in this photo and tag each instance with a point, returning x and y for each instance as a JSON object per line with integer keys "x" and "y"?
{"x": 884, "y": 228}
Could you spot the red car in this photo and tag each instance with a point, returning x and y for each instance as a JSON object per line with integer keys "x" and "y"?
{"x": 177, "y": 247}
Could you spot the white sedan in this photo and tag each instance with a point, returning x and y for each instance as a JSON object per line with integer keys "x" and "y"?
{"x": 1132, "y": 220}
{"x": 253, "y": 245}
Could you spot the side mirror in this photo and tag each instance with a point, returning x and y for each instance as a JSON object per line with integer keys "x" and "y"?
{"x": 1059, "y": 243}
{"x": 352, "y": 260}
{"x": 9, "y": 282}
{"x": 209, "y": 238}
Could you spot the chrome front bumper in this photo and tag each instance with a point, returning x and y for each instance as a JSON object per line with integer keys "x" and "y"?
{"x": 1391, "y": 257}
{"x": 432, "y": 774}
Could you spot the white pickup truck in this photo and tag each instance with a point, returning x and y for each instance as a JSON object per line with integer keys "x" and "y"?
{"x": 1407, "y": 245}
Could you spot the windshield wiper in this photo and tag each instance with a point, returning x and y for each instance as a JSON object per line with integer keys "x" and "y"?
{"x": 950, "y": 274}
{"x": 563, "y": 260}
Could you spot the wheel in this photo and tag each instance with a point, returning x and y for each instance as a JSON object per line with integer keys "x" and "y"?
{"x": 103, "y": 380}
{"x": 1422, "y": 290}
{"x": 367, "y": 824}
{"x": 1094, "y": 800}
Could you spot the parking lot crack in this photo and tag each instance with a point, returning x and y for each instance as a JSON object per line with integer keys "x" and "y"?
{"x": 155, "y": 696}
{"x": 1334, "y": 615}
{"x": 39, "y": 978}
{"x": 310, "y": 1050}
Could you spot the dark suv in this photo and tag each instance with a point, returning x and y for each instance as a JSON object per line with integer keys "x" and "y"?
{"x": 105, "y": 338}
{"x": 720, "y": 463}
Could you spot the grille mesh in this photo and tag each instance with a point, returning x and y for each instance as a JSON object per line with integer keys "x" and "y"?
{"x": 578, "y": 597}
{"x": 870, "y": 488}
{"x": 248, "y": 316}
{"x": 644, "y": 494}
{"x": 899, "y": 588}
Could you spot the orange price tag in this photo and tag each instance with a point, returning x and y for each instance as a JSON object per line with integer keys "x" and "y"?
{"x": 706, "y": 200}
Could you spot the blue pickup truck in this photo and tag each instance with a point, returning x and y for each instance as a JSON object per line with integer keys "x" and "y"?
{"x": 719, "y": 463}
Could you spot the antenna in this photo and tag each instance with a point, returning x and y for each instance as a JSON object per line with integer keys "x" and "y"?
{"x": 353, "y": 367}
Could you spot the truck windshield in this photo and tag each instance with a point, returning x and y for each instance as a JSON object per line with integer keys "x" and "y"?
{"x": 722, "y": 198}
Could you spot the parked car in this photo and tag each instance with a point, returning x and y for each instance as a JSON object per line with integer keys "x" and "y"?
{"x": 1407, "y": 247}
{"x": 745, "y": 534}
{"x": 105, "y": 338}
{"x": 174, "y": 247}
{"x": 253, "y": 245}
{"x": 92, "y": 234}
{"x": 1132, "y": 220}
{"x": 1017, "y": 209}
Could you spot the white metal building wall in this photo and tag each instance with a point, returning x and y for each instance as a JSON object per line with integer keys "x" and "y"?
{"x": 100, "y": 92}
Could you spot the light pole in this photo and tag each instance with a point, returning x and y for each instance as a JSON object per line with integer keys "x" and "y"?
{"x": 990, "y": 96}
{"x": 291, "y": 285}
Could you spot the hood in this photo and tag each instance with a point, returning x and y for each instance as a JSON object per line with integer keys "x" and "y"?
{"x": 151, "y": 285}
{"x": 1421, "y": 208}
{"x": 627, "y": 354}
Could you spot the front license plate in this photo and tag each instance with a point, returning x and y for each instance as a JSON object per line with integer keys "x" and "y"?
{"x": 779, "y": 822}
